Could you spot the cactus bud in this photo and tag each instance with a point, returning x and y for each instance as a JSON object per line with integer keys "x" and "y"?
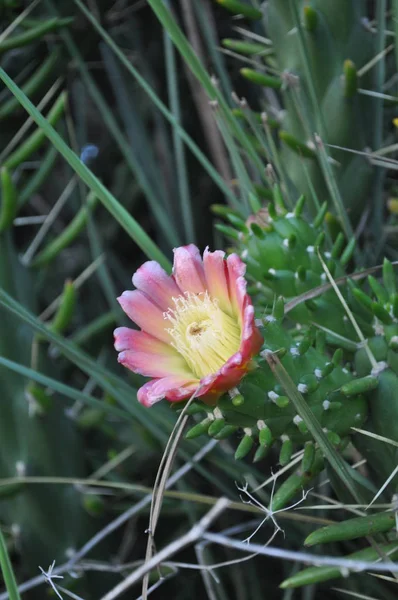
{"x": 65, "y": 310}
{"x": 381, "y": 313}
{"x": 338, "y": 246}
{"x": 320, "y": 216}
{"x": 261, "y": 453}
{"x": 258, "y": 232}
{"x": 337, "y": 357}
{"x": 298, "y": 209}
{"x": 244, "y": 447}
{"x": 301, "y": 148}
{"x": 216, "y": 426}
{"x": 261, "y": 78}
{"x": 198, "y": 429}
{"x": 378, "y": 290}
{"x": 389, "y": 279}
{"x": 359, "y": 386}
{"x": 286, "y": 452}
{"x": 308, "y": 457}
{"x": 310, "y": 18}
{"x": 348, "y": 252}
{"x": 241, "y": 8}
{"x": 226, "y": 432}
{"x": 244, "y": 47}
{"x": 350, "y": 79}
{"x": 265, "y": 436}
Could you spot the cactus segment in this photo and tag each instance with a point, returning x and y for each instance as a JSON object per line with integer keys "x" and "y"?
{"x": 350, "y": 79}
{"x": 351, "y": 529}
{"x": 241, "y": 8}
{"x": 286, "y": 451}
{"x": 266, "y": 414}
{"x": 245, "y": 48}
{"x": 360, "y": 386}
{"x": 226, "y": 432}
{"x": 296, "y": 482}
{"x": 216, "y": 427}
{"x": 330, "y": 46}
{"x": 198, "y": 429}
{"x": 38, "y": 137}
{"x": 32, "y": 85}
{"x": 53, "y": 248}
{"x": 308, "y": 457}
{"x": 297, "y": 146}
{"x": 36, "y": 438}
{"x": 389, "y": 279}
{"x": 65, "y": 310}
{"x": 318, "y": 574}
{"x": 310, "y": 18}
{"x": 260, "y": 453}
{"x": 379, "y": 291}
{"x": 261, "y": 78}
{"x": 265, "y": 435}
{"x": 245, "y": 446}
{"x": 381, "y": 313}
{"x": 229, "y": 232}
{"x": 346, "y": 368}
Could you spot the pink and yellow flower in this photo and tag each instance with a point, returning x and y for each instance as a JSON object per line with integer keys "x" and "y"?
{"x": 197, "y": 326}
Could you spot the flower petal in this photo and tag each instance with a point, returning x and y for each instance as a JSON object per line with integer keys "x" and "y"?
{"x": 236, "y": 282}
{"x": 216, "y": 272}
{"x": 226, "y": 378}
{"x": 151, "y": 279}
{"x": 173, "y": 387}
{"x": 139, "y": 308}
{"x": 152, "y": 364}
{"x": 188, "y": 269}
{"x": 182, "y": 393}
{"x": 140, "y": 341}
{"x": 252, "y": 340}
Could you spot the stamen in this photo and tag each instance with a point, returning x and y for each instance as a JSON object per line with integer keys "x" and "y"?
{"x": 202, "y": 333}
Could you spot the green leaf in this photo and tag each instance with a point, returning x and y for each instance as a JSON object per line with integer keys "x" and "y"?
{"x": 8, "y": 573}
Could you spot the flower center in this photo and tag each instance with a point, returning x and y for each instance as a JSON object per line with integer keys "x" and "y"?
{"x": 202, "y": 333}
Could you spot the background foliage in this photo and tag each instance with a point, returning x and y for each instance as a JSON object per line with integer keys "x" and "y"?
{"x": 166, "y": 123}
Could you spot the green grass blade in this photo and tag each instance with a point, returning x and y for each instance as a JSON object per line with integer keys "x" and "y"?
{"x": 116, "y": 387}
{"x": 193, "y": 62}
{"x": 63, "y": 389}
{"x": 137, "y": 151}
{"x": 394, "y": 5}
{"x": 103, "y": 273}
{"x": 206, "y": 22}
{"x": 333, "y": 189}
{"x": 158, "y": 423}
{"x": 378, "y": 104}
{"x": 196, "y": 151}
{"x": 179, "y": 150}
{"x": 245, "y": 182}
{"x": 8, "y": 573}
{"x": 319, "y": 119}
{"x": 128, "y": 223}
